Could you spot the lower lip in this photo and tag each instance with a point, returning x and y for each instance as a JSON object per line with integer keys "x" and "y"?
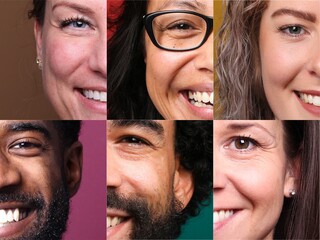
{"x": 202, "y": 112}
{"x": 217, "y": 226}
{"x": 17, "y": 228}
{"x": 112, "y": 231}
{"x": 92, "y": 105}
{"x": 310, "y": 107}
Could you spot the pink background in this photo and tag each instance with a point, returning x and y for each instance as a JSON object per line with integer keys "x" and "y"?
{"x": 87, "y": 219}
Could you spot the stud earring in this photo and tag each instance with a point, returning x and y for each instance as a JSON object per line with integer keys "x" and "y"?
{"x": 292, "y": 192}
{"x": 39, "y": 63}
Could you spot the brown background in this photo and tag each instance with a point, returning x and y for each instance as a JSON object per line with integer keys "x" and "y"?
{"x": 21, "y": 94}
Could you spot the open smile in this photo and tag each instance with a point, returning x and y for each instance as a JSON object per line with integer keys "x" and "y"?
{"x": 12, "y": 215}
{"x": 201, "y": 99}
{"x": 95, "y": 95}
{"x": 15, "y": 219}
{"x": 221, "y": 217}
{"x": 310, "y": 98}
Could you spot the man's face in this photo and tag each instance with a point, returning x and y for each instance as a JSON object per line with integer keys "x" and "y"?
{"x": 146, "y": 186}
{"x": 33, "y": 193}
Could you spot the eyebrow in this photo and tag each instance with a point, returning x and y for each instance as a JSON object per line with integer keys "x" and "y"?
{"x": 243, "y": 126}
{"x": 148, "y": 125}
{"x": 78, "y": 7}
{"x": 295, "y": 13}
{"x": 189, "y": 4}
{"x": 28, "y": 127}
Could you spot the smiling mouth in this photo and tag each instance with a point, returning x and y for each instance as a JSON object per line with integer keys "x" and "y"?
{"x": 8, "y": 216}
{"x": 222, "y": 215}
{"x": 201, "y": 99}
{"x": 309, "y": 98}
{"x": 114, "y": 221}
{"x": 95, "y": 95}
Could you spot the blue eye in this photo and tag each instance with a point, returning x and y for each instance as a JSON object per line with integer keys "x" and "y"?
{"x": 294, "y": 30}
{"x": 75, "y": 23}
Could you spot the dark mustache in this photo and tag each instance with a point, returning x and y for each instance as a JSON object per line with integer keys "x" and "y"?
{"x": 32, "y": 200}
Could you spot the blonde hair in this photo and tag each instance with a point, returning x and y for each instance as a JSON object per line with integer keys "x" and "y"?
{"x": 238, "y": 67}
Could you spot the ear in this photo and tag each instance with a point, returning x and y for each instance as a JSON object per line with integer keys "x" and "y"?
{"x": 291, "y": 178}
{"x": 183, "y": 185}
{"x": 73, "y": 167}
{"x": 37, "y": 28}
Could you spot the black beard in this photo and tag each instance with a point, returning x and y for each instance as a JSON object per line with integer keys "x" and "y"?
{"x": 51, "y": 219}
{"x": 146, "y": 223}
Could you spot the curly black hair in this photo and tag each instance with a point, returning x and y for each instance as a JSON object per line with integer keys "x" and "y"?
{"x": 194, "y": 144}
{"x": 38, "y": 11}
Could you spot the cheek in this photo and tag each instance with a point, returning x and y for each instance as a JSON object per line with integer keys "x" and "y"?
{"x": 41, "y": 177}
{"x": 63, "y": 55}
{"x": 163, "y": 67}
{"x": 280, "y": 61}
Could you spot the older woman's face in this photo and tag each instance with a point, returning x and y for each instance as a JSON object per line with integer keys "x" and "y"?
{"x": 173, "y": 77}
{"x": 251, "y": 178}
{"x": 290, "y": 58}
{"x": 72, "y": 46}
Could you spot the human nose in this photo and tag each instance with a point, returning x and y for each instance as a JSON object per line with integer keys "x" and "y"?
{"x": 98, "y": 56}
{"x": 314, "y": 65}
{"x": 204, "y": 60}
{"x": 219, "y": 177}
{"x": 113, "y": 171}
{"x": 9, "y": 174}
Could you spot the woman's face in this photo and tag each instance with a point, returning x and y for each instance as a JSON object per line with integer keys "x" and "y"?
{"x": 290, "y": 58}
{"x": 72, "y": 46}
{"x": 173, "y": 77}
{"x": 251, "y": 178}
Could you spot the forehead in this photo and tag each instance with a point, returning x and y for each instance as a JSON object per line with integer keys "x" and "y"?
{"x": 203, "y": 6}
{"x": 271, "y": 127}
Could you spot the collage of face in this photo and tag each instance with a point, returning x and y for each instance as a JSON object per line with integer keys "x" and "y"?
{"x": 159, "y": 119}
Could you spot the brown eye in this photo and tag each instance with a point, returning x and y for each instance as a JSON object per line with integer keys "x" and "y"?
{"x": 242, "y": 143}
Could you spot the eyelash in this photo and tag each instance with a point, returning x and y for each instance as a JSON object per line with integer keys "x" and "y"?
{"x": 68, "y": 21}
{"x": 252, "y": 143}
{"x": 286, "y": 30}
{"x": 134, "y": 140}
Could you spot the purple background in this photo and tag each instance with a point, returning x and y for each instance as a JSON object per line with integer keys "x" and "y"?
{"x": 87, "y": 219}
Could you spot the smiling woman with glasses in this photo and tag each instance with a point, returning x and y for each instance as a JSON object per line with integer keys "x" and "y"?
{"x": 160, "y": 60}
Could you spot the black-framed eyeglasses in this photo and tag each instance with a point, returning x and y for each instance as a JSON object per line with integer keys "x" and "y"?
{"x": 178, "y": 30}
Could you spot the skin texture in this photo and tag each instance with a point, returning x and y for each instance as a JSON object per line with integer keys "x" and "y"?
{"x": 32, "y": 163}
{"x": 169, "y": 75}
{"x": 251, "y": 179}
{"x": 74, "y": 58}
{"x": 147, "y": 171}
{"x": 291, "y": 61}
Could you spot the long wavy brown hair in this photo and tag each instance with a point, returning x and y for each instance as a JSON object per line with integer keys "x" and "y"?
{"x": 241, "y": 93}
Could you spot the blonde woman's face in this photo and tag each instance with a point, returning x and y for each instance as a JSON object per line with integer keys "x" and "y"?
{"x": 251, "y": 178}
{"x": 72, "y": 46}
{"x": 174, "y": 78}
{"x": 290, "y": 58}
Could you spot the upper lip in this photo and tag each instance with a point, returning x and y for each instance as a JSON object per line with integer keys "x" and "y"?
{"x": 13, "y": 205}
{"x": 112, "y": 212}
{"x": 311, "y": 92}
{"x": 202, "y": 87}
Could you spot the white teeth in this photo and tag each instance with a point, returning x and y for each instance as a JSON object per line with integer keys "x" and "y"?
{"x": 96, "y": 95}
{"x": 311, "y": 99}
{"x": 201, "y": 99}
{"x": 114, "y": 221}
{"x": 221, "y": 215}
{"x": 11, "y": 215}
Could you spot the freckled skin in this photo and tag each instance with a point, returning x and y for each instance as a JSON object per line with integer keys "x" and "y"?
{"x": 73, "y": 58}
{"x": 169, "y": 73}
{"x": 290, "y": 63}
